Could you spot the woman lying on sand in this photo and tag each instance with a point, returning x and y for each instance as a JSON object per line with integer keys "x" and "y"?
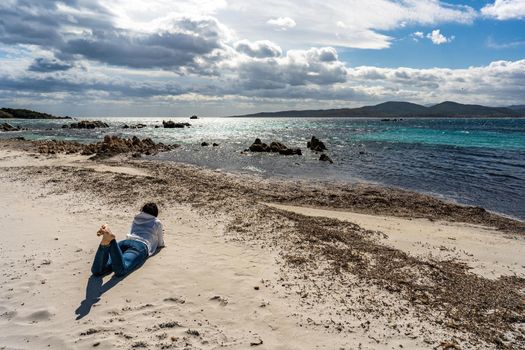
{"x": 145, "y": 237}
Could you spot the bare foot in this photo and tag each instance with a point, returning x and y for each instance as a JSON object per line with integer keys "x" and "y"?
{"x": 107, "y": 235}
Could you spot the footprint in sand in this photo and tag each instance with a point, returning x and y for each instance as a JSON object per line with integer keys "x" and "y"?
{"x": 7, "y": 313}
{"x": 176, "y": 300}
{"x": 222, "y": 300}
{"x": 39, "y": 315}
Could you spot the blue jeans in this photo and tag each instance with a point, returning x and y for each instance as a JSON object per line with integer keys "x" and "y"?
{"x": 121, "y": 258}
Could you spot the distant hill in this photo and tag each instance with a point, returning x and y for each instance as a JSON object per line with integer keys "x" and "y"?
{"x": 518, "y": 108}
{"x": 26, "y": 114}
{"x": 395, "y": 109}
{"x": 454, "y": 108}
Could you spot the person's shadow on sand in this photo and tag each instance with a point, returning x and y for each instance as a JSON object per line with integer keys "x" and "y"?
{"x": 94, "y": 290}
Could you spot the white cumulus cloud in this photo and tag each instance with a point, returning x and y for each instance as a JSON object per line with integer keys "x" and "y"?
{"x": 417, "y": 35}
{"x": 505, "y": 9}
{"x": 282, "y": 23}
{"x": 437, "y": 38}
{"x": 349, "y": 23}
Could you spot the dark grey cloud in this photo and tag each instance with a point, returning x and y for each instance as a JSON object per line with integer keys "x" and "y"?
{"x": 186, "y": 44}
{"x": 258, "y": 49}
{"x": 40, "y": 22}
{"x": 45, "y": 65}
{"x": 314, "y": 66}
{"x": 117, "y": 89}
{"x": 23, "y": 28}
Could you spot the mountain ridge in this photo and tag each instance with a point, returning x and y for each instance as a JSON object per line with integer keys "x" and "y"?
{"x": 398, "y": 109}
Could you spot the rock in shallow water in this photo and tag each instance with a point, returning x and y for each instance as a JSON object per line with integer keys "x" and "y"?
{"x": 276, "y": 147}
{"x": 171, "y": 124}
{"x": 136, "y": 126}
{"x": 86, "y": 124}
{"x": 325, "y": 158}
{"x": 316, "y": 145}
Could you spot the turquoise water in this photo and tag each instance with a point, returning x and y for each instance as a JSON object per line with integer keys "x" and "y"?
{"x": 472, "y": 161}
{"x": 461, "y": 138}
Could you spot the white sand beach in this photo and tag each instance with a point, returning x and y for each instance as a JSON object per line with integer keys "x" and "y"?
{"x": 207, "y": 289}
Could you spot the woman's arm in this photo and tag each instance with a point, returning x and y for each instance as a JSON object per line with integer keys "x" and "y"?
{"x": 160, "y": 235}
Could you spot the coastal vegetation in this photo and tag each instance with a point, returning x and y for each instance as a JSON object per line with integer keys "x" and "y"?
{"x": 12, "y": 113}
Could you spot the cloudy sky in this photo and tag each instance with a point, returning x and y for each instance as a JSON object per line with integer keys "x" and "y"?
{"x": 223, "y": 57}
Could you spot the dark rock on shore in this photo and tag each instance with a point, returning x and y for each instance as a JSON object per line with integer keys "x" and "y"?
{"x": 194, "y": 117}
{"x": 86, "y": 124}
{"x": 171, "y": 124}
{"x": 316, "y": 145}
{"x": 8, "y": 127}
{"x": 276, "y": 147}
{"x": 110, "y": 146}
{"x": 215, "y": 144}
{"x": 325, "y": 158}
{"x": 205, "y": 144}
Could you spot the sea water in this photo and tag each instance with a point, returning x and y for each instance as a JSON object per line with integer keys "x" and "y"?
{"x": 471, "y": 161}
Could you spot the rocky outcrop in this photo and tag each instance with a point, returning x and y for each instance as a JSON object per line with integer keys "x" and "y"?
{"x": 194, "y": 117}
{"x": 204, "y": 144}
{"x": 215, "y": 144}
{"x": 276, "y": 147}
{"x": 325, "y": 158}
{"x": 110, "y": 146}
{"x": 316, "y": 145}
{"x": 171, "y": 124}
{"x": 86, "y": 124}
{"x": 9, "y": 127}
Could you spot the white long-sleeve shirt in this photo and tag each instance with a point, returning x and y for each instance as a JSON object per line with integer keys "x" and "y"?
{"x": 147, "y": 229}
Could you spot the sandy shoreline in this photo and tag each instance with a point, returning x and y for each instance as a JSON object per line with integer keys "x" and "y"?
{"x": 315, "y": 289}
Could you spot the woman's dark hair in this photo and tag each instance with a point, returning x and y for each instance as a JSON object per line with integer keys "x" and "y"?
{"x": 151, "y": 208}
